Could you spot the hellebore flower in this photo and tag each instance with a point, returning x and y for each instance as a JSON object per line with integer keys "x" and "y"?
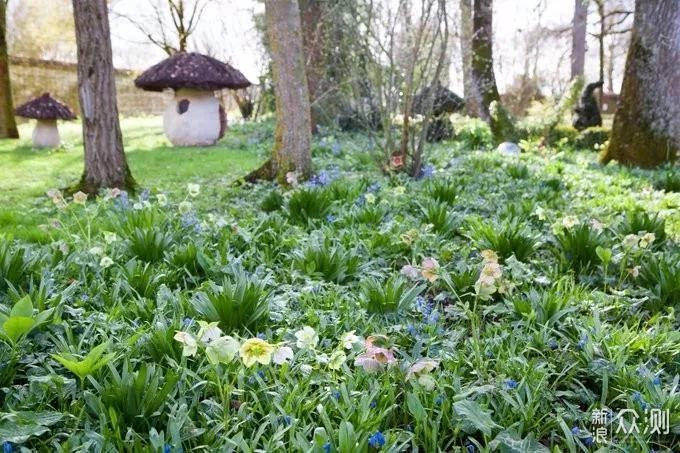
{"x": 429, "y": 269}
{"x": 222, "y": 350}
{"x": 256, "y": 350}
{"x": 189, "y": 344}
{"x": 306, "y": 338}
{"x": 284, "y": 354}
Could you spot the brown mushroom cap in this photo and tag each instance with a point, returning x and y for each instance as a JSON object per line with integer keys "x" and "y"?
{"x": 45, "y": 107}
{"x": 191, "y": 70}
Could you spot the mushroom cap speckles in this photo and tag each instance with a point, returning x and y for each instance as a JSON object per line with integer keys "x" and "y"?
{"x": 191, "y": 70}
{"x": 45, "y": 107}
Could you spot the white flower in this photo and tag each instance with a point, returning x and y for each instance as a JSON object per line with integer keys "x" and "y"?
{"x": 646, "y": 240}
{"x": 193, "y": 189}
{"x": 306, "y": 338}
{"x": 110, "y": 237}
{"x": 184, "y": 207}
{"x": 292, "y": 178}
{"x": 209, "y": 331}
{"x": 188, "y": 342}
{"x": 283, "y": 355}
{"x": 105, "y": 262}
{"x": 137, "y": 206}
{"x": 222, "y": 350}
{"x": 80, "y": 198}
{"x": 162, "y": 199}
{"x": 570, "y": 221}
{"x": 348, "y": 339}
{"x": 96, "y": 250}
{"x": 631, "y": 241}
{"x": 306, "y": 369}
{"x": 322, "y": 358}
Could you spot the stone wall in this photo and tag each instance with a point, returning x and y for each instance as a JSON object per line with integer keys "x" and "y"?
{"x": 31, "y": 77}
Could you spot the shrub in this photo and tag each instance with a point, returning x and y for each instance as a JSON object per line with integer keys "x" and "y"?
{"x": 240, "y": 302}
{"x": 149, "y": 244}
{"x": 509, "y": 238}
{"x": 439, "y": 215}
{"x": 136, "y": 396}
{"x": 562, "y": 132}
{"x": 588, "y": 138}
{"x": 668, "y": 181}
{"x": 637, "y": 220}
{"x": 328, "y": 260}
{"x": 517, "y": 171}
{"x": 389, "y": 296}
{"x": 577, "y": 246}
{"x": 273, "y": 201}
{"x": 371, "y": 214}
{"x": 442, "y": 190}
{"x": 661, "y": 276}
{"x": 474, "y": 134}
{"x": 306, "y": 204}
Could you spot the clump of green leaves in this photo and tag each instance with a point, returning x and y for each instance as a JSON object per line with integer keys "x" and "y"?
{"x": 308, "y": 203}
{"x": 149, "y": 244}
{"x": 329, "y": 260}
{"x": 88, "y": 365}
{"x": 510, "y": 237}
{"x": 638, "y": 220}
{"x": 388, "y": 296}
{"x": 577, "y": 246}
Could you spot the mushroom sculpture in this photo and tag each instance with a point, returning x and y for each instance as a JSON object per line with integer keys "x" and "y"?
{"x": 47, "y": 111}
{"x": 195, "y": 117}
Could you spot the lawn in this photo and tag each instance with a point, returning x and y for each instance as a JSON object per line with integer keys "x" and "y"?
{"x": 27, "y": 173}
{"x": 495, "y": 303}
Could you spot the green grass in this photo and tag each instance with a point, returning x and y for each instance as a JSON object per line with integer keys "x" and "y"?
{"x": 27, "y": 173}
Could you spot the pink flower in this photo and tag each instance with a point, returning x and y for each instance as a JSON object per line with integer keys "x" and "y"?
{"x": 377, "y": 354}
{"x": 422, "y": 366}
{"x": 397, "y": 161}
{"x": 429, "y": 269}
{"x": 409, "y": 272}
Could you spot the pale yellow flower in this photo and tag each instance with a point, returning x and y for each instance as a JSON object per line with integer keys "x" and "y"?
{"x": 348, "y": 339}
{"x": 162, "y": 199}
{"x": 493, "y": 270}
{"x": 110, "y": 237}
{"x": 631, "y": 241}
{"x": 184, "y": 207}
{"x": 336, "y": 360}
{"x": 399, "y": 190}
{"x": 489, "y": 256}
{"x": 646, "y": 240}
{"x": 80, "y": 198}
{"x": 189, "y": 344}
{"x": 256, "y": 350}
{"x": 370, "y": 198}
{"x": 106, "y": 262}
{"x": 570, "y": 221}
{"x": 193, "y": 189}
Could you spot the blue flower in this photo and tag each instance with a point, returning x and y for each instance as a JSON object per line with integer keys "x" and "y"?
{"x": 327, "y": 447}
{"x": 412, "y": 330}
{"x": 335, "y": 148}
{"x": 439, "y": 400}
{"x": 510, "y": 384}
{"x": 433, "y": 318}
{"x": 330, "y": 218}
{"x": 656, "y": 380}
{"x": 321, "y": 179}
{"x": 489, "y": 354}
{"x": 374, "y": 188}
{"x": 285, "y": 420}
{"x": 144, "y": 195}
{"x": 377, "y": 440}
{"x": 587, "y": 441}
{"x": 7, "y": 447}
{"x": 427, "y": 171}
{"x": 470, "y": 447}
{"x": 261, "y": 374}
{"x": 582, "y": 342}
{"x": 336, "y": 394}
{"x": 575, "y": 430}
{"x": 372, "y": 404}
{"x": 167, "y": 448}
{"x": 423, "y": 306}
{"x": 186, "y": 322}
{"x": 261, "y": 336}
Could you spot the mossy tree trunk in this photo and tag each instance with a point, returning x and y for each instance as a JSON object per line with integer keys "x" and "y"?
{"x": 473, "y": 100}
{"x": 578, "y": 38}
{"x": 105, "y": 162}
{"x": 482, "y": 55}
{"x": 313, "y": 37}
{"x": 646, "y": 130}
{"x": 8, "y": 125}
{"x": 292, "y": 147}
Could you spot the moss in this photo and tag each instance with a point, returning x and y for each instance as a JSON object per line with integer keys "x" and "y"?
{"x": 589, "y": 138}
{"x": 502, "y": 124}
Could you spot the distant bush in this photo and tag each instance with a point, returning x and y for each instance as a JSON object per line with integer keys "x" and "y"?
{"x": 590, "y": 137}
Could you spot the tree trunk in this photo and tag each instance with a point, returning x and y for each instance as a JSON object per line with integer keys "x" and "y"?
{"x": 578, "y": 38}
{"x": 311, "y": 22}
{"x": 292, "y": 147}
{"x": 482, "y": 55}
{"x": 473, "y": 101}
{"x": 646, "y": 130}
{"x": 8, "y": 125}
{"x": 105, "y": 162}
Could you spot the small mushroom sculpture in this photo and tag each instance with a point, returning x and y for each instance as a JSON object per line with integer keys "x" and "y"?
{"x": 47, "y": 111}
{"x": 195, "y": 117}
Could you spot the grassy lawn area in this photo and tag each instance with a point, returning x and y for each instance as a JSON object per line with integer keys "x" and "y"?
{"x": 27, "y": 173}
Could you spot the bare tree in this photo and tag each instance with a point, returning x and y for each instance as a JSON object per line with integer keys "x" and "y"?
{"x": 8, "y": 125}
{"x": 646, "y": 130}
{"x": 482, "y": 55}
{"x": 105, "y": 162}
{"x": 578, "y": 38}
{"x": 292, "y": 143}
{"x": 171, "y": 24}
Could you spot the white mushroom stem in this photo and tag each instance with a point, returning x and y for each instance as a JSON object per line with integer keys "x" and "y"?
{"x": 46, "y": 134}
{"x": 192, "y": 118}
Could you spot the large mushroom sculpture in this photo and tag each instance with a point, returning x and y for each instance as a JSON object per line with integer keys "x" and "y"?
{"x": 195, "y": 117}
{"x": 47, "y": 111}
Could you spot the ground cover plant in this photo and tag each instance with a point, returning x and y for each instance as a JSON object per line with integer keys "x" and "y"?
{"x": 493, "y": 303}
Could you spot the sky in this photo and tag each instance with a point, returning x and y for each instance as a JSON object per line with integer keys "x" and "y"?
{"x": 229, "y": 30}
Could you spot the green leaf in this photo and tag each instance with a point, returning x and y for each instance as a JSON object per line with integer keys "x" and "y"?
{"x": 415, "y": 407}
{"x": 17, "y": 326}
{"x": 510, "y": 442}
{"x": 21, "y": 426}
{"x": 473, "y": 413}
{"x": 22, "y": 308}
{"x": 93, "y": 361}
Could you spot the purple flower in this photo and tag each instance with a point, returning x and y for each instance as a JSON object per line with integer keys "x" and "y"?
{"x": 374, "y": 188}
{"x": 376, "y": 440}
{"x": 510, "y": 384}
{"x": 427, "y": 171}
{"x": 582, "y": 342}
{"x": 330, "y": 218}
